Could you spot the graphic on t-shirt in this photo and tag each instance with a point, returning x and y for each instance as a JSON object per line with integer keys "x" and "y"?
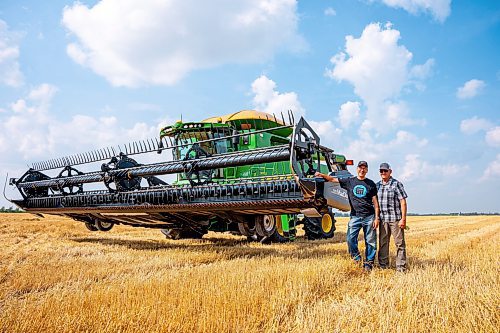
{"x": 359, "y": 191}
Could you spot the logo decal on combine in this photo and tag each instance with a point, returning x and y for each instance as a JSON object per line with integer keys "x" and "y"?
{"x": 359, "y": 191}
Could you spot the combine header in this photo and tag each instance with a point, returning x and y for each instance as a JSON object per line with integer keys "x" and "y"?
{"x": 248, "y": 172}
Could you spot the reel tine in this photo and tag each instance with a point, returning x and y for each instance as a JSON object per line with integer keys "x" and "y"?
{"x": 113, "y": 150}
{"x": 149, "y": 145}
{"x": 274, "y": 115}
{"x": 108, "y": 153}
{"x": 80, "y": 158}
{"x": 283, "y": 118}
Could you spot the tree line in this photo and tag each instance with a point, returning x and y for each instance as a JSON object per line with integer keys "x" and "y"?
{"x": 11, "y": 210}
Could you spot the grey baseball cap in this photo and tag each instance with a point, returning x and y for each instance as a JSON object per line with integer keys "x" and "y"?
{"x": 385, "y": 166}
{"x": 360, "y": 163}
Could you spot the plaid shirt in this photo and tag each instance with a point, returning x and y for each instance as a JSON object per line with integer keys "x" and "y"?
{"x": 388, "y": 198}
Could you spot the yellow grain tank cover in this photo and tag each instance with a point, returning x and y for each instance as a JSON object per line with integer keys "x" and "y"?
{"x": 261, "y": 120}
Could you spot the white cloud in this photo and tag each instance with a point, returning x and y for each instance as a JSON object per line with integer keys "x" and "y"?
{"x": 415, "y": 168}
{"x": 474, "y": 124}
{"x": 378, "y": 68}
{"x": 28, "y": 129}
{"x": 269, "y": 100}
{"x": 134, "y": 43}
{"x": 404, "y": 138}
{"x": 349, "y": 113}
{"x": 439, "y": 9}
{"x": 374, "y": 63}
{"x": 10, "y": 73}
{"x": 493, "y": 137}
{"x": 470, "y": 89}
{"x": 329, "y": 135}
{"x": 398, "y": 114}
{"x": 492, "y": 170}
{"x": 423, "y": 71}
{"x": 418, "y": 73}
{"x": 330, "y": 12}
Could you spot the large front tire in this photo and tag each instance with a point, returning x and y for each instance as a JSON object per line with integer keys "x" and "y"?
{"x": 320, "y": 227}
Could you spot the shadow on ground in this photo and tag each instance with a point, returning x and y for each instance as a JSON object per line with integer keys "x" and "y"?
{"x": 229, "y": 248}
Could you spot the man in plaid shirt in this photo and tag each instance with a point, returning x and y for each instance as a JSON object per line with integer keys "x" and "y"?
{"x": 392, "y": 201}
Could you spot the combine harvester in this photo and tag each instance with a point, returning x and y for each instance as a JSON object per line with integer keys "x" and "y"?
{"x": 248, "y": 172}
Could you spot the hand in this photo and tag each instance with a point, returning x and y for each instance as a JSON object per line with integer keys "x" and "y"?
{"x": 402, "y": 223}
{"x": 318, "y": 174}
{"x": 375, "y": 223}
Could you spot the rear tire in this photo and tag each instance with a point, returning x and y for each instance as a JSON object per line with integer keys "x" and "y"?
{"x": 265, "y": 225}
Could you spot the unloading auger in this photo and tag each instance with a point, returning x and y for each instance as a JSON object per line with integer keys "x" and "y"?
{"x": 248, "y": 172}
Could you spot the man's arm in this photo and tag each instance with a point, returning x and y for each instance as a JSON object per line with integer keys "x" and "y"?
{"x": 402, "y": 222}
{"x": 376, "y": 221}
{"x": 327, "y": 177}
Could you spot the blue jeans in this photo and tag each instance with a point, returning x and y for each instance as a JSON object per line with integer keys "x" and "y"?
{"x": 353, "y": 228}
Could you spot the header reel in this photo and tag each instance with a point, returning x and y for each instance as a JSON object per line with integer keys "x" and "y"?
{"x": 122, "y": 175}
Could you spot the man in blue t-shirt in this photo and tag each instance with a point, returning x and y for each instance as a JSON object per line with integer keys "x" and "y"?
{"x": 362, "y": 193}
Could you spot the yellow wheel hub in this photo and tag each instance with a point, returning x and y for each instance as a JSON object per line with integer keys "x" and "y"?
{"x": 326, "y": 223}
{"x": 279, "y": 226}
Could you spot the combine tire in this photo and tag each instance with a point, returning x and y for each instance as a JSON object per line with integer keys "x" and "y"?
{"x": 103, "y": 226}
{"x": 269, "y": 229}
{"x": 248, "y": 230}
{"x": 91, "y": 226}
{"x": 265, "y": 225}
{"x": 320, "y": 227}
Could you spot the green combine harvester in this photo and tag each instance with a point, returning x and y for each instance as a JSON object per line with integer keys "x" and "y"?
{"x": 248, "y": 173}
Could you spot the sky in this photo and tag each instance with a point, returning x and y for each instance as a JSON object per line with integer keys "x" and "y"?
{"x": 415, "y": 83}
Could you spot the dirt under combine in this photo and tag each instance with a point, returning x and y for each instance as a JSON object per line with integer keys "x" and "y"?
{"x": 249, "y": 173}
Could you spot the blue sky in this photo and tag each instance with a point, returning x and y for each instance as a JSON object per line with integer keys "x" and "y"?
{"x": 415, "y": 83}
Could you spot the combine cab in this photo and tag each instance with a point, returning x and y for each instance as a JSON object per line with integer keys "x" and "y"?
{"x": 248, "y": 172}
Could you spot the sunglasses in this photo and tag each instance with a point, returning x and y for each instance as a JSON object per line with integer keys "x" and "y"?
{"x": 384, "y": 171}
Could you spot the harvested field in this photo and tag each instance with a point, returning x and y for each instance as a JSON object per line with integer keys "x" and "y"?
{"x": 55, "y": 276}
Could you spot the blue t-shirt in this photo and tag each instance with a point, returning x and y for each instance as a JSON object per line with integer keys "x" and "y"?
{"x": 360, "y": 193}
